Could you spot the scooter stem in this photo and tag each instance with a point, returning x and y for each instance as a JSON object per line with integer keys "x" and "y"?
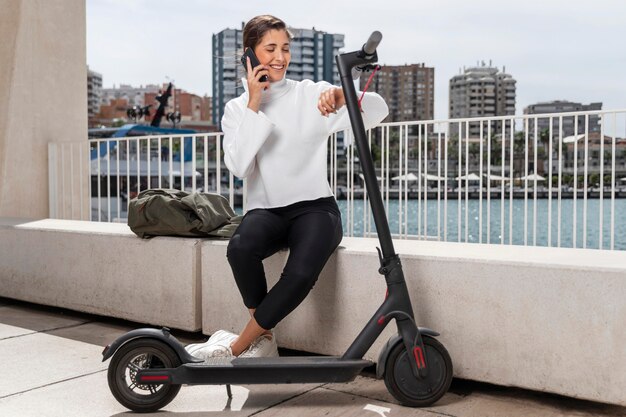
{"x": 345, "y": 63}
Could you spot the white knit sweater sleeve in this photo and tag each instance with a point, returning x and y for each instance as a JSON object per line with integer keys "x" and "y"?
{"x": 245, "y": 131}
{"x": 374, "y": 111}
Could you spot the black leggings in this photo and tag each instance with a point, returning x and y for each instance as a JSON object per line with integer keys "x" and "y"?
{"x": 310, "y": 229}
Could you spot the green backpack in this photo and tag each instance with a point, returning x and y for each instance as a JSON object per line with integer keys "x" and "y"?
{"x": 162, "y": 212}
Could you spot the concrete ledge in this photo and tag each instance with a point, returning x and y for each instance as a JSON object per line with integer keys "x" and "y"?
{"x": 546, "y": 319}
{"x": 101, "y": 268}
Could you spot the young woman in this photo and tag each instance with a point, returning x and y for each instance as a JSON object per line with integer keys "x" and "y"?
{"x": 275, "y": 135}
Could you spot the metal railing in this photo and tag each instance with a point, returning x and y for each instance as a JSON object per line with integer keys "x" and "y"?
{"x": 540, "y": 180}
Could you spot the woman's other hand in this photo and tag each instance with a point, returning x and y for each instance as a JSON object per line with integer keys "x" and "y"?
{"x": 330, "y": 101}
{"x": 255, "y": 85}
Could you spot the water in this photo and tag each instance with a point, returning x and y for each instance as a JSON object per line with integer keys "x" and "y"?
{"x": 425, "y": 224}
{"x": 421, "y": 221}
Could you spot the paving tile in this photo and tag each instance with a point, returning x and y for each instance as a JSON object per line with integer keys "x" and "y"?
{"x": 494, "y": 401}
{"x": 39, "y": 359}
{"x": 7, "y": 331}
{"x": 102, "y": 333}
{"x": 473, "y": 399}
{"x": 38, "y": 318}
{"x": 73, "y": 398}
{"x": 95, "y": 333}
{"x": 375, "y": 389}
{"x": 328, "y": 402}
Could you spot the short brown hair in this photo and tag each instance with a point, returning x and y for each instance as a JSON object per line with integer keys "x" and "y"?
{"x": 258, "y": 26}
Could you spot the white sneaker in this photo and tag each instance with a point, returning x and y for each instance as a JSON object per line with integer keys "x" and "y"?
{"x": 263, "y": 347}
{"x": 222, "y": 335}
{"x": 202, "y": 350}
{"x": 220, "y": 351}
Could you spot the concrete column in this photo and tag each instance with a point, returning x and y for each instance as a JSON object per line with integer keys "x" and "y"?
{"x": 43, "y": 96}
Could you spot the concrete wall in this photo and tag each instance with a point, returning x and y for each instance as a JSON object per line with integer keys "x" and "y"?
{"x": 546, "y": 319}
{"x": 102, "y": 268}
{"x": 43, "y": 96}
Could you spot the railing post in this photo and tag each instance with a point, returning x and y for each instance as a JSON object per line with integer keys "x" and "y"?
{"x": 52, "y": 180}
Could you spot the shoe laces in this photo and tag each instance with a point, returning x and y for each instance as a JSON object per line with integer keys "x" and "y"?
{"x": 256, "y": 344}
{"x": 222, "y": 352}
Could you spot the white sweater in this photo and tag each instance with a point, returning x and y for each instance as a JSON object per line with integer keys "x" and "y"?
{"x": 282, "y": 149}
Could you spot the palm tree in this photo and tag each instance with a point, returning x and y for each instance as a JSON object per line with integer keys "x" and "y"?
{"x": 519, "y": 145}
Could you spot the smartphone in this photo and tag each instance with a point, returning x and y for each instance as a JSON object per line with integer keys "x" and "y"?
{"x": 254, "y": 61}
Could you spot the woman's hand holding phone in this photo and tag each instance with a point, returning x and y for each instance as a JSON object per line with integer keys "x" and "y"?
{"x": 255, "y": 85}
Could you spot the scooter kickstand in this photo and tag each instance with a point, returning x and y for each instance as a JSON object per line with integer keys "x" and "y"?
{"x": 228, "y": 391}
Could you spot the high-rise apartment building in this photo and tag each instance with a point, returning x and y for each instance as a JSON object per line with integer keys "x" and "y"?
{"x": 94, "y": 93}
{"x": 312, "y": 57}
{"x": 568, "y": 123}
{"x": 409, "y": 91}
{"x": 482, "y": 91}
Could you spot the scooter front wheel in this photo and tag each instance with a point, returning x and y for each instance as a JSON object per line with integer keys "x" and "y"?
{"x": 412, "y": 391}
{"x": 128, "y": 360}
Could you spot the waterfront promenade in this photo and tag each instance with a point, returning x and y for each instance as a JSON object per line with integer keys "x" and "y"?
{"x": 52, "y": 367}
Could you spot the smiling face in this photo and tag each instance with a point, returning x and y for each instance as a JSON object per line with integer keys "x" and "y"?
{"x": 273, "y": 51}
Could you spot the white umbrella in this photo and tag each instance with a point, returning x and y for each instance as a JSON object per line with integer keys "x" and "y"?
{"x": 407, "y": 177}
{"x": 494, "y": 177}
{"x": 470, "y": 177}
{"x": 533, "y": 177}
{"x": 431, "y": 177}
{"x": 573, "y": 138}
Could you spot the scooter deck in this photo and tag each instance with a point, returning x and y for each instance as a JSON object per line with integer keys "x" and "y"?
{"x": 283, "y": 370}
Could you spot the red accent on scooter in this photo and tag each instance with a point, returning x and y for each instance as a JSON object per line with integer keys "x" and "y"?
{"x": 381, "y": 320}
{"x": 154, "y": 378}
{"x": 387, "y": 294}
{"x": 419, "y": 357}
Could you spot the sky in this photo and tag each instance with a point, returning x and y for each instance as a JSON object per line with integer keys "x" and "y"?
{"x": 555, "y": 49}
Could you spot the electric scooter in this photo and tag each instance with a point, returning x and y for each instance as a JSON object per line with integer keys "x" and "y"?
{"x": 148, "y": 366}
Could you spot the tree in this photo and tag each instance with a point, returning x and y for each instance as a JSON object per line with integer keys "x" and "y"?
{"x": 555, "y": 180}
{"x": 453, "y": 148}
{"x": 567, "y": 179}
{"x": 519, "y": 146}
{"x": 496, "y": 150}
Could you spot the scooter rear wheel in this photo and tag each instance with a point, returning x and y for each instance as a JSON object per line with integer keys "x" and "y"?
{"x": 412, "y": 391}
{"x": 130, "y": 358}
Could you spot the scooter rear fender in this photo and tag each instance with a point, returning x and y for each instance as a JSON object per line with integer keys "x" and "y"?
{"x": 162, "y": 335}
{"x": 384, "y": 353}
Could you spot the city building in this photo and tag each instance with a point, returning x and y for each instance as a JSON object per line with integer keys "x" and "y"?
{"x": 568, "y": 124}
{"x": 409, "y": 91}
{"x": 94, "y": 93}
{"x": 312, "y": 57}
{"x": 482, "y": 91}
{"x": 134, "y": 96}
{"x": 111, "y": 113}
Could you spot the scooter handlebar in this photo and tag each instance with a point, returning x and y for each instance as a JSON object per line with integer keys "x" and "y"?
{"x": 372, "y": 43}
